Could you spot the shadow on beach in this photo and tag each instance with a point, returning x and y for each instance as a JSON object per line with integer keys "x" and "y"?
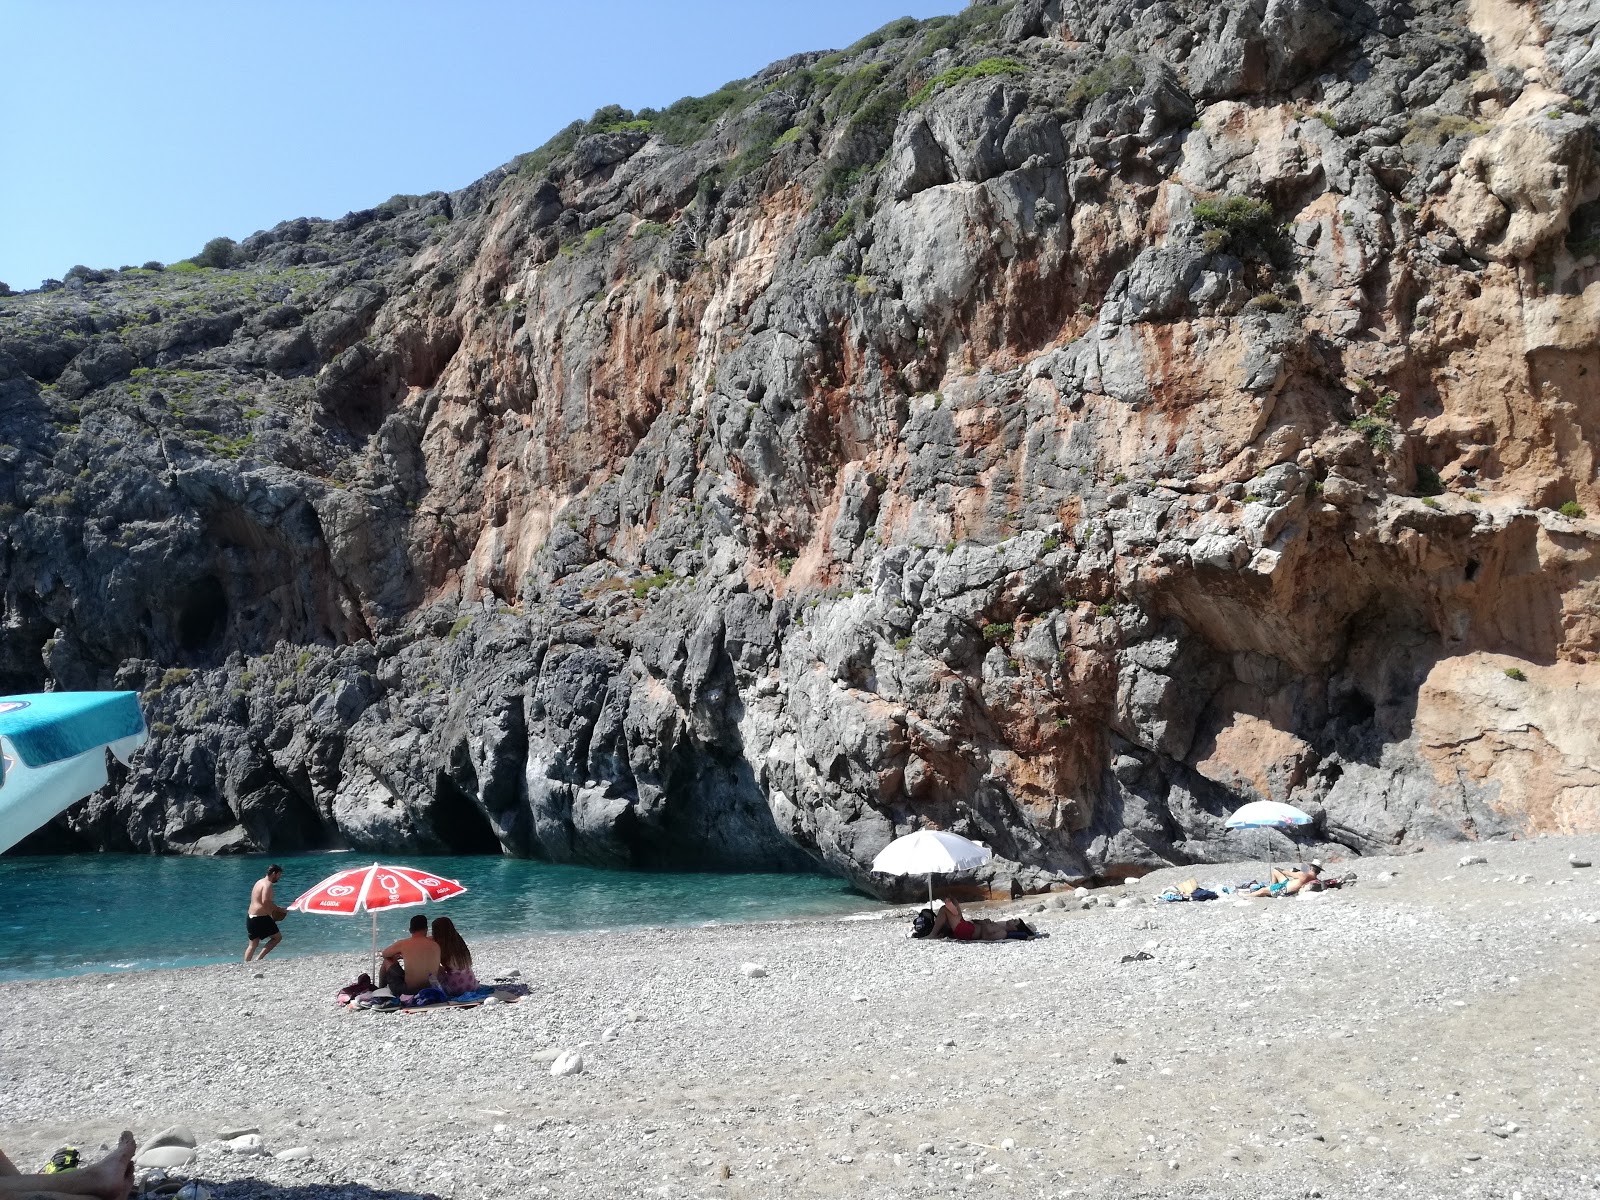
{"x": 256, "y": 1189}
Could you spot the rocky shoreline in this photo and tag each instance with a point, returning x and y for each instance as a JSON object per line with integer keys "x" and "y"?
{"x": 1430, "y": 1028}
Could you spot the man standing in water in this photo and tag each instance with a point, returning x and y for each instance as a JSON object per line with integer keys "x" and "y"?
{"x": 264, "y": 914}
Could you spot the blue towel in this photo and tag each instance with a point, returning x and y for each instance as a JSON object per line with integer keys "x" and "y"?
{"x": 55, "y": 726}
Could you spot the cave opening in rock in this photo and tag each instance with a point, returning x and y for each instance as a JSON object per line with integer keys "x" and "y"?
{"x": 1472, "y": 569}
{"x": 1354, "y": 709}
{"x": 202, "y": 614}
{"x": 458, "y": 822}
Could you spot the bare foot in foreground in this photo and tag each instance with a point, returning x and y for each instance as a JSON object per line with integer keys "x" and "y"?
{"x": 112, "y": 1176}
{"x": 109, "y": 1179}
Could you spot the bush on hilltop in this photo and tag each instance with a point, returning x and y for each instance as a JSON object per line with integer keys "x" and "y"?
{"x": 218, "y": 252}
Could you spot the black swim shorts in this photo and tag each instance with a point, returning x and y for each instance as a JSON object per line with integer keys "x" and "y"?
{"x": 261, "y": 927}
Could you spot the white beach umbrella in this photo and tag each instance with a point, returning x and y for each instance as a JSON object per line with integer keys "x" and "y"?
{"x": 930, "y": 852}
{"x": 1267, "y": 814}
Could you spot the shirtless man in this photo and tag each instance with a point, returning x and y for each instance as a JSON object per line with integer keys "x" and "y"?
{"x": 261, "y": 920}
{"x": 111, "y": 1178}
{"x": 1287, "y": 883}
{"x": 421, "y": 956}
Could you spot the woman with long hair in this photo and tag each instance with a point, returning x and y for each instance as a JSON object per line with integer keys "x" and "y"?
{"x": 455, "y": 960}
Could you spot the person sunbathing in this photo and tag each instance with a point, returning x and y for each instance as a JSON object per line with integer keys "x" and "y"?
{"x": 949, "y": 922}
{"x": 1287, "y": 883}
{"x": 410, "y": 964}
{"x": 455, "y": 960}
{"x": 110, "y": 1179}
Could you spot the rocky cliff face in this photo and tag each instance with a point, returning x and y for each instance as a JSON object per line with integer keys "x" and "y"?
{"x": 1056, "y": 423}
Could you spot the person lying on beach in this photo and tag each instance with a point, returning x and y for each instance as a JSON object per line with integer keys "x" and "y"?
{"x": 949, "y": 922}
{"x": 455, "y": 960}
{"x": 411, "y": 962}
{"x": 1287, "y": 883}
{"x": 111, "y": 1178}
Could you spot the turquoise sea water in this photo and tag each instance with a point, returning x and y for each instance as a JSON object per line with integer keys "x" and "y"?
{"x": 113, "y": 912}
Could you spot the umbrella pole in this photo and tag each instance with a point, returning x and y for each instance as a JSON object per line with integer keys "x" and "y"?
{"x": 930, "y": 889}
{"x": 374, "y": 917}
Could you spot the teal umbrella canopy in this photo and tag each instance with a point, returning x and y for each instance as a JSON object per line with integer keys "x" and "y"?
{"x": 53, "y": 752}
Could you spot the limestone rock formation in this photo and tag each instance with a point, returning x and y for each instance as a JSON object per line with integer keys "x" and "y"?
{"x": 1059, "y": 423}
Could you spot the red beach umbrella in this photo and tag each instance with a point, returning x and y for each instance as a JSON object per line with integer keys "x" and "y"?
{"x": 368, "y": 889}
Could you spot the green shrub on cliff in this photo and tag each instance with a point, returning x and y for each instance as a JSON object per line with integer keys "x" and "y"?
{"x": 973, "y": 25}
{"x": 984, "y": 69}
{"x": 1375, "y": 424}
{"x": 1234, "y": 215}
{"x": 1123, "y": 71}
{"x": 1572, "y": 509}
{"x": 643, "y": 587}
{"x": 218, "y": 252}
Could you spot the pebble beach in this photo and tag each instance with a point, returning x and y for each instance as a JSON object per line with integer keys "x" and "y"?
{"x": 1430, "y": 1031}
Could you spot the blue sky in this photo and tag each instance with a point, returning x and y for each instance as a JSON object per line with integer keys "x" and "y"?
{"x": 138, "y": 129}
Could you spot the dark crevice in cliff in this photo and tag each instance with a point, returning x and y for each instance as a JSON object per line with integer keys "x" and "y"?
{"x": 458, "y": 822}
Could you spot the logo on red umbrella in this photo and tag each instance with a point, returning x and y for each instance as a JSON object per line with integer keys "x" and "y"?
{"x": 374, "y": 887}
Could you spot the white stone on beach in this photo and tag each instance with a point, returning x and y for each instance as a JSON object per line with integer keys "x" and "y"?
{"x": 294, "y": 1154}
{"x": 228, "y": 1132}
{"x": 1129, "y": 902}
{"x": 1575, "y": 861}
{"x": 164, "y": 1156}
{"x": 193, "y": 1190}
{"x": 549, "y": 1054}
{"x": 173, "y": 1135}
{"x": 1471, "y": 860}
{"x": 1008, "y": 1143}
{"x": 752, "y": 970}
{"x": 567, "y": 1064}
{"x": 245, "y": 1143}
{"x": 609, "y": 1034}
{"x": 1080, "y": 893}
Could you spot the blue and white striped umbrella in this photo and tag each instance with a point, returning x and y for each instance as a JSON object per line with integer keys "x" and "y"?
{"x": 53, "y": 752}
{"x": 1267, "y": 814}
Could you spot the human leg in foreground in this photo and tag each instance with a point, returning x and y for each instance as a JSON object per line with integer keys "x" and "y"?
{"x": 110, "y": 1178}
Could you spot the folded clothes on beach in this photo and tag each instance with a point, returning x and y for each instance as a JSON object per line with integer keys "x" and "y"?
{"x": 1173, "y": 896}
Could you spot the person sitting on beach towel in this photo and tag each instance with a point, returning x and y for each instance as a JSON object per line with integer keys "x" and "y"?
{"x": 1287, "y": 883}
{"x": 949, "y": 922}
{"x": 111, "y": 1178}
{"x": 455, "y": 960}
{"x": 410, "y": 963}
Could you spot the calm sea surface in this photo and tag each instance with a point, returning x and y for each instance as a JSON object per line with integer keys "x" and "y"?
{"x": 114, "y": 912}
